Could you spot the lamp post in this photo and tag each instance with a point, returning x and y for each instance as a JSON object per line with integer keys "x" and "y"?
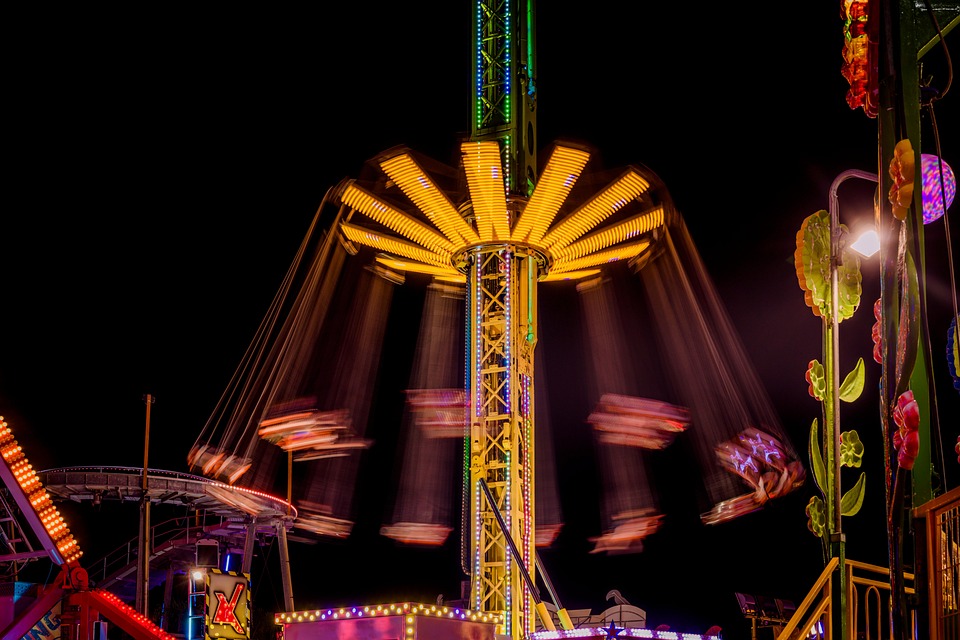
{"x": 143, "y": 566}
{"x": 839, "y": 595}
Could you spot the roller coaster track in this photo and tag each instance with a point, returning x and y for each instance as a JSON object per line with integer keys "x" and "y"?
{"x": 27, "y": 506}
{"x": 220, "y": 512}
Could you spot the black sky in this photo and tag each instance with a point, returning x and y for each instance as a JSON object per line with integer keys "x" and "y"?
{"x": 165, "y": 166}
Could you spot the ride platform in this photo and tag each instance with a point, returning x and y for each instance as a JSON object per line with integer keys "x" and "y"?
{"x": 407, "y": 620}
{"x": 412, "y": 621}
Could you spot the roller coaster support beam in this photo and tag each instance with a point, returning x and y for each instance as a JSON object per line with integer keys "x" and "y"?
{"x": 285, "y": 567}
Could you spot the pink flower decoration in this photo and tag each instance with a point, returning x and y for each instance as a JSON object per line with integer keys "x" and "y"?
{"x": 875, "y": 332}
{"x": 906, "y": 441}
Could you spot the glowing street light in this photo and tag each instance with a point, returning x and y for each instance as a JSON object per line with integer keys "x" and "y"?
{"x": 867, "y": 244}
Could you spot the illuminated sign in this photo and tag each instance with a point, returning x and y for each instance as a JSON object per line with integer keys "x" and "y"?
{"x": 47, "y": 628}
{"x": 228, "y": 605}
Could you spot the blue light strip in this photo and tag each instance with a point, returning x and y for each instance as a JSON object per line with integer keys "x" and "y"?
{"x": 478, "y": 73}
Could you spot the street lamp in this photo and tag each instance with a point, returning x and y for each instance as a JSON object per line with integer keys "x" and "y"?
{"x": 835, "y": 261}
{"x": 196, "y": 598}
{"x": 145, "y": 548}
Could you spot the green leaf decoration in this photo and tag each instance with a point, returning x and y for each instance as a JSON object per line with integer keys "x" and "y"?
{"x": 816, "y": 516}
{"x": 816, "y": 458}
{"x": 851, "y": 449}
{"x": 852, "y": 385}
{"x": 852, "y": 500}
{"x": 908, "y": 332}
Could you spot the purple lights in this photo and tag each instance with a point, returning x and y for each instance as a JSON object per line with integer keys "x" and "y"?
{"x": 933, "y": 194}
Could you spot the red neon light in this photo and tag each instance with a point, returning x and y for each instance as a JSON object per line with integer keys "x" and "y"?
{"x": 227, "y": 611}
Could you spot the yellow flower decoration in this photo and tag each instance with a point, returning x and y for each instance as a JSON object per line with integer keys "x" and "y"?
{"x": 851, "y": 449}
{"x": 816, "y": 516}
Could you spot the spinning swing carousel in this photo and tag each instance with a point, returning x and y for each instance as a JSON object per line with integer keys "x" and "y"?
{"x": 481, "y": 238}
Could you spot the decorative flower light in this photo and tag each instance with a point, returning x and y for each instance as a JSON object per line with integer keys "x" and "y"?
{"x": 816, "y": 381}
{"x": 953, "y": 353}
{"x": 902, "y": 171}
{"x": 875, "y": 332}
{"x": 859, "y": 56}
{"x": 851, "y": 449}
{"x": 907, "y": 440}
{"x": 816, "y": 516}
{"x": 933, "y": 195}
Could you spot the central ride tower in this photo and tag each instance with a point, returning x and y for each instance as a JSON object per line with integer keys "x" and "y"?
{"x": 502, "y": 318}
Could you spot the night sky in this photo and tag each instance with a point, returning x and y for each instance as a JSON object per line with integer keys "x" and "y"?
{"x": 165, "y": 167}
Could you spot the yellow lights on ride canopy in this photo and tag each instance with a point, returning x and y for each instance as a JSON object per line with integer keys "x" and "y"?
{"x": 379, "y": 241}
{"x": 400, "y": 222}
{"x": 446, "y": 273}
{"x": 563, "y": 246}
{"x": 621, "y": 232}
{"x": 422, "y": 191}
{"x": 484, "y": 172}
{"x": 596, "y": 210}
{"x": 569, "y": 275}
{"x": 624, "y": 252}
{"x": 557, "y": 179}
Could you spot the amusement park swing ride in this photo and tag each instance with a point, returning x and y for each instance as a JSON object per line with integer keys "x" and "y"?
{"x": 485, "y": 238}
{"x": 487, "y": 258}
{"x": 487, "y": 234}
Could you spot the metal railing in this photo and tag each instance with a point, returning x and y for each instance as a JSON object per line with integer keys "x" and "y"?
{"x": 937, "y": 533}
{"x": 164, "y": 533}
{"x": 940, "y": 520}
{"x": 868, "y": 593}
